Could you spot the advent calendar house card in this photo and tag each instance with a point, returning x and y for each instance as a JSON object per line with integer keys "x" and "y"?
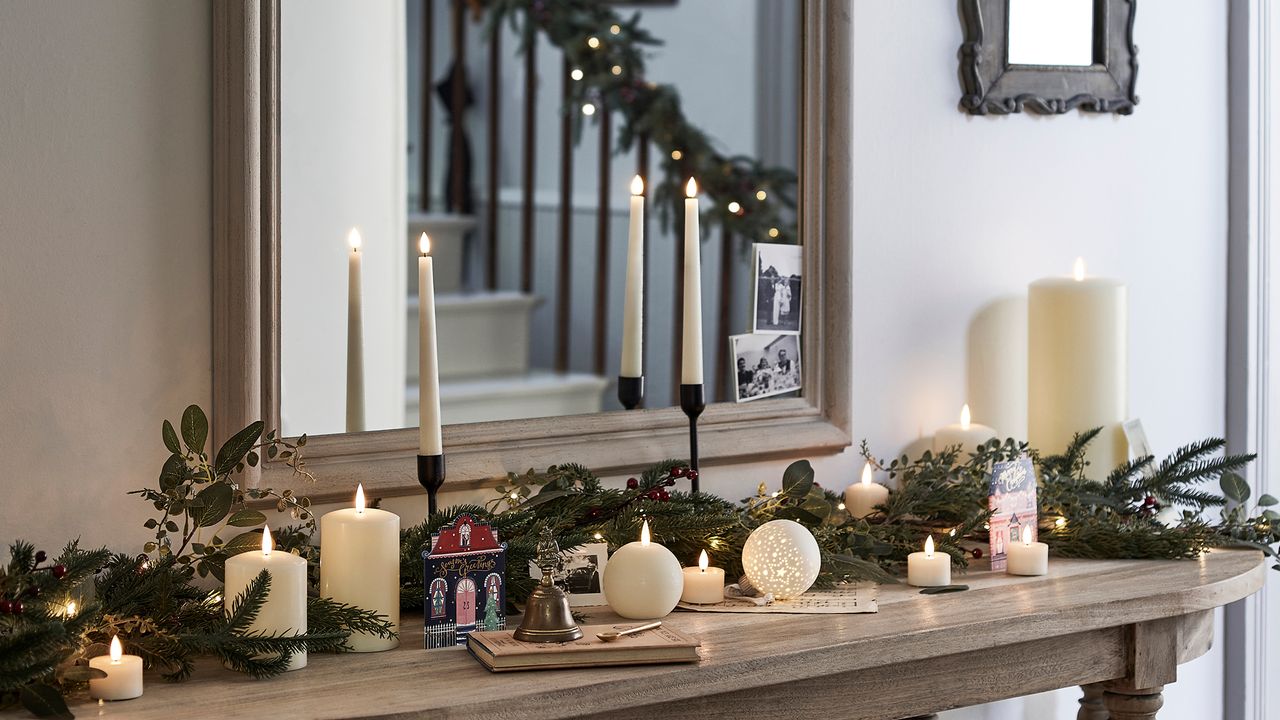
{"x": 465, "y": 582}
{"x": 1013, "y": 505}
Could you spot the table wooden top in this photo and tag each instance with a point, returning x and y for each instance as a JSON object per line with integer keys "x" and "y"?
{"x": 739, "y": 651}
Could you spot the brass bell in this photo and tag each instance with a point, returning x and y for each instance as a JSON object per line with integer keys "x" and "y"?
{"x": 547, "y": 618}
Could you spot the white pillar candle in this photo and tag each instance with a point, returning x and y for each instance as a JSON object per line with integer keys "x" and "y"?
{"x": 691, "y": 357}
{"x": 929, "y": 569}
{"x": 632, "y": 365}
{"x": 861, "y": 498}
{"x": 968, "y": 435}
{"x": 355, "y": 338}
{"x": 1027, "y": 557}
{"x": 285, "y": 611}
{"x": 124, "y": 674}
{"x": 1077, "y": 372}
{"x": 703, "y": 585}
{"x": 430, "y": 440}
{"x": 643, "y": 580}
{"x": 360, "y": 565}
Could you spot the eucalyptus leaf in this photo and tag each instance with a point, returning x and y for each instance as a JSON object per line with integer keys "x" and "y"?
{"x": 234, "y": 450}
{"x": 244, "y": 542}
{"x": 82, "y": 673}
{"x": 174, "y": 471}
{"x": 44, "y": 701}
{"x": 1234, "y": 487}
{"x": 1267, "y": 501}
{"x": 216, "y": 503}
{"x": 246, "y": 518}
{"x": 195, "y": 428}
{"x": 170, "y": 437}
{"x": 543, "y": 497}
{"x": 797, "y": 479}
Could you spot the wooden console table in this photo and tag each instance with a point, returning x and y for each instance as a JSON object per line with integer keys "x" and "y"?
{"x": 1117, "y": 627}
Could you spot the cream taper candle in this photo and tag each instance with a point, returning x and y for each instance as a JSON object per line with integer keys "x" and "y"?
{"x": 1077, "y": 371}
{"x": 691, "y": 356}
{"x": 633, "y": 301}
{"x": 430, "y": 440}
{"x": 355, "y": 337}
{"x": 860, "y": 499}
{"x": 124, "y": 674}
{"x": 360, "y": 565}
{"x": 285, "y": 611}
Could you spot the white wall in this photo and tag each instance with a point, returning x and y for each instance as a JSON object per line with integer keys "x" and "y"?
{"x": 104, "y": 283}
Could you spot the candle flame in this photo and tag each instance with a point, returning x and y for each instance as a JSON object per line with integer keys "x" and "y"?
{"x": 965, "y": 418}
{"x": 637, "y": 185}
{"x": 71, "y": 609}
{"x": 353, "y": 239}
{"x": 703, "y": 561}
{"x": 866, "y": 475}
{"x": 117, "y": 650}
{"x": 1026, "y": 535}
{"x": 424, "y": 244}
{"x": 266, "y": 540}
{"x": 691, "y": 190}
{"x": 644, "y": 533}
{"x": 928, "y": 547}
{"x": 359, "y": 497}
{"x": 1078, "y": 270}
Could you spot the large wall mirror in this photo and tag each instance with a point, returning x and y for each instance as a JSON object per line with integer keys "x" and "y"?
{"x": 512, "y": 141}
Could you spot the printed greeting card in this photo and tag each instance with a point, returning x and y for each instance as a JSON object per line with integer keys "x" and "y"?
{"x": 1013, "y": 505}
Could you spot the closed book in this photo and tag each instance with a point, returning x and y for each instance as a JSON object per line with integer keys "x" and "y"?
{"x": 499, "y": 651}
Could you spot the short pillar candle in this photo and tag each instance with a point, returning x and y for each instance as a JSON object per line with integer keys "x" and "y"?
{"x": 124, "y": 674}
{"x": 1027, "y": 557}
{"x": 929, "y": 569}
{"x": 703, "y": 585}
{"x": 285, "y": 611}
{"x": 860, "y": 499}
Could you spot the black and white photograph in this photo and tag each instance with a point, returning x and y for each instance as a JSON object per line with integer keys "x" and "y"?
{"x": 766, "y": 365}
{"x": 581, "y": 574}
{"x": 777, "y": 289}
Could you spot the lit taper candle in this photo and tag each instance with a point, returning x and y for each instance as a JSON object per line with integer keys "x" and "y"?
{"x": 632, "y": 365}
{"x": 691, "y": 357}
{"x": 429, "y": 436}
{"x": 355, "y": 337}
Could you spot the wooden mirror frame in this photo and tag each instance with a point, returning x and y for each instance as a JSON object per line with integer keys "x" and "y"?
{"x": 246, "y": 298}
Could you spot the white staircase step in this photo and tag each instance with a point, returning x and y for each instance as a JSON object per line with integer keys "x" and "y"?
{"x": 535, "y": 394}
{"x": 448, "y": 233}
{"x": 477, "y": 334}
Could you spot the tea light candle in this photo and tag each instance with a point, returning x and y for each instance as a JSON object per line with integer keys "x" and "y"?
{"x": 929, "y": 569}
{"x": 968, "y": 435}
{"x": 124, "y": 674}
{"x": 702, "y": 585}
{"x": 1027, "y": 557}
{"x": 285, "y": 610}
{"x": 860, "y": 499}
{"x": 360, "y": 565}
{"x": 643, "y": 580}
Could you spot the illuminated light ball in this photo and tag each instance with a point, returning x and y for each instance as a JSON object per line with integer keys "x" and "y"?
{"x": 576, "y": 73}
{"x": 781, "y": 558}
{"x": 773, "y": 232}
{"x": 617, "y": 69}
{"x": 593, "y": 42}
{"x": 588, "y": 109}
{"x": 676, "y": 154}
{"x": 615, "y": 29}
{"x": 761, "y": 195}
{"x": 734, "y": 207}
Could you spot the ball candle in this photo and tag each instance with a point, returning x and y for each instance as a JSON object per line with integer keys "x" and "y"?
{"x": 285, "y": 609}
{"x": 691, "y": 347}
{"x": 430, "y": 440}
{"x": 703, "y": 585}
{"x": 643, "y": 580}
{"x": 1027, "y": 557}
{"x": 861, "y": 498}
{"x": 929, "y": 569}
{"x": 355, "y": 337}
{"x": 968, "y": 435}
{"x": 360, "y": 565}
{"x": 633, "y": 301}
{"x": 781, "y": 558}
{"x": 124, "y": 674}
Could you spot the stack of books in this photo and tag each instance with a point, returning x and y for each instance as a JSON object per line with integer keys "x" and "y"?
{"x": 500, "y": 652}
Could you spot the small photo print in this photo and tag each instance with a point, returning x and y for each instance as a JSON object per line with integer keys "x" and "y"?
{"x": 777, "y": 288}
{"x": 765, "y": 365}
{"x": 581, "y": 574}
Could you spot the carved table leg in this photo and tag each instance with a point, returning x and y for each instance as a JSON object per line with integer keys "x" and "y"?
{"x": 1125, "y": 704}
{"x": 1091, "y": 707}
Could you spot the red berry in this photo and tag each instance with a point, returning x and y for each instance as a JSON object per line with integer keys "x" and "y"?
{"x": 59, "y": 571}
{"x": 663, "y": 495}
{"x": 1150, "y": 501}
{"x": 977, "y": 553}
{"x": 670, "y": 482}
{"x": 40, "y": 556}
{"x": 632, "y": 483}
{"x": 677, "y": 472}
{"x": 15, "y": 607}
{"x": 692, "y": 475}
{"x": 6, "y": 607}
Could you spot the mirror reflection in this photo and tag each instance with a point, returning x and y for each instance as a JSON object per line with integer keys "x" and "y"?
{"x": 1051, "y": 32}
{"x": 411, "y": 117}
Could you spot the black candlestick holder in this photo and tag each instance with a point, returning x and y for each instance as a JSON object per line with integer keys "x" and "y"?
{"x": 431, "y": 477}
{"x": 630, "y": 391}
{"x": 693, "y": 401}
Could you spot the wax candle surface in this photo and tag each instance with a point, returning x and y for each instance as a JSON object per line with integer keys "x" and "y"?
{"x": 285, "y": 611}
{"x": 632, "y": 365}
{"x": 1027, "y": 557}
{"x": 1077, "y": 372}
{"x": 360, "y": 565}
{"x": 929, "y": 568}
{"x": 691, "y": 347}
{"x": 703, "y": 585}
{"x": 968, "y": 435}
{"x": 430, "y": 440}
{"x": 124, "y": 674}
{"x": 355, "y": 337}
{"x": 643, "y": 580}
{"x": 861, "y": 498}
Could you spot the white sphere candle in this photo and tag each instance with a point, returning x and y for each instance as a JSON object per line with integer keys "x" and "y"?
{"x": 861, "y": 498}
{"x": 285, "y": 611}
{"x": 968, "y": 435}
{"x": 1027, "y": 557}
{"x": 781, "y": 558}
{"x": 929, "y": 569}
{"x": 643, "y": 580}
{"x": 124, "y": 674}
{"x": 360, "y": 565}
{"x": 703, "y": 585}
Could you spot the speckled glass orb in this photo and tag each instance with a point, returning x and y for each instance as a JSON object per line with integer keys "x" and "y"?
{"x": 781, "y": 558}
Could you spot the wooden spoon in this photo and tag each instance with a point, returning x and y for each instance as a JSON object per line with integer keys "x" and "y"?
{"x": 611, "y": 635}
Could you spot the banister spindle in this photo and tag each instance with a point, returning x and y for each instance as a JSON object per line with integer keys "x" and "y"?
{"x": 459, "y": 87}
{"x": 530, "y": 154}
{"x": 495, "y": 141}
{"x": 602, "y": 245}
{"x": 564, "y": 278}
{"x": 427, "y": 96}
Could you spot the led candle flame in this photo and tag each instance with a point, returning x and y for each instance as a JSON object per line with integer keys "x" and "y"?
{"x": 1078, "y": 270}
{"x": 71, "y": 609}
{"x": 359, "y": 498}
{"x": 928, "y": 547}
{"x": 637, "y": 185}
{"x": 691, "y": 189}
{"x": 424, "y": 244}
{"x": 703, "y": 561}
{"x": 266, "y": 541}
{"x": 965, "y": 418}
{"x": 644, "y": 533}
{"x": 353, "y": 239}
{"x": 866, "y": 475}
{"x": 967, "y": 434}
{"x": 1026, "y": 535}
{"x": 117, "y": 650}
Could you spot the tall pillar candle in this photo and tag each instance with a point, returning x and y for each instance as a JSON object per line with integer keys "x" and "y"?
{"x": 1077, "y": 372}
{"x": 430, "y": 441}
{"x": 691, "y": 347}
{"x": 360, "y": 565}
{"x": 355, "y": 337}
{"x": 285, "y": 610}
{"x": 632, "y": 365}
